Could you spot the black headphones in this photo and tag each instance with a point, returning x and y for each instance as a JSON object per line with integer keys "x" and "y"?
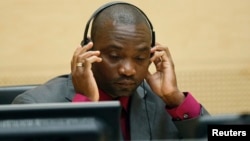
{"x": 99, "y": 10}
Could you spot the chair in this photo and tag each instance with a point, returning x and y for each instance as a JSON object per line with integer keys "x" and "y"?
{"x": 8, "y": 93}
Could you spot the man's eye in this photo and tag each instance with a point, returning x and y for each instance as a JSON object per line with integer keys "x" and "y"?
{"x": 114, "y": 56}
{"x": 140, "y": 58}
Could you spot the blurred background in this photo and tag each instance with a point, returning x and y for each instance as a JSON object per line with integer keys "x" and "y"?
{"x": 208, "y": 39}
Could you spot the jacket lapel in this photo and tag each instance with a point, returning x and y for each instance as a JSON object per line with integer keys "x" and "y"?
{"x": 142, "y": 110}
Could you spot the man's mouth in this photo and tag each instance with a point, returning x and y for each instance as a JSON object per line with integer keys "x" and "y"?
{"x": 125, "y": 83}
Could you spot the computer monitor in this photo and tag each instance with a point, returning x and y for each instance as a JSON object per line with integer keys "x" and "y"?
{"x": 204, "y": 124}
{"x": 92, "y": 121}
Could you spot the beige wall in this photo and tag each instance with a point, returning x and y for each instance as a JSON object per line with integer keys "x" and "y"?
{"x": 209, "y": 41}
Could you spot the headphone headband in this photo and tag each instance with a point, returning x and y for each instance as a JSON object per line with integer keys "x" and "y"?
{"x": 100, "y": 9}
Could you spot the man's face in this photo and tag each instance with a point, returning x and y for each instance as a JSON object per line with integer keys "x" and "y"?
{"x": 125, "y": 50}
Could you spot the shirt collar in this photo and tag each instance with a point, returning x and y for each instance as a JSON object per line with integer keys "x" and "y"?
{"x": 124, "y": 100}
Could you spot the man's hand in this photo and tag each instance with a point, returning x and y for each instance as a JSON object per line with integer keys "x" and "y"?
{"x": 82, "y": 75}
{"x": 163, "y": 81}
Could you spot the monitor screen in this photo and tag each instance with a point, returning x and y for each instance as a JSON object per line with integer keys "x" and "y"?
{"x": 95, "y": 121}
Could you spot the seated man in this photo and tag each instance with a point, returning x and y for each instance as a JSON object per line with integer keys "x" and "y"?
{"x": 113, "y": 64}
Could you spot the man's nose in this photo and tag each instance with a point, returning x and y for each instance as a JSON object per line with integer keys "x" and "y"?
{"x": 127, "y": 68}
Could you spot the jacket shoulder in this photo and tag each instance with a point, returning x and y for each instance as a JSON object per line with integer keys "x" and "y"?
{"x": 54, "y": 90}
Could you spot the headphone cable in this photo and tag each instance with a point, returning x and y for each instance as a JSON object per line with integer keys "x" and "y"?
{"x": 146, "y": 107}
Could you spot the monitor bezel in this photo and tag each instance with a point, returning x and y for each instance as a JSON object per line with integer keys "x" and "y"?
{"x": 107, "y": 112}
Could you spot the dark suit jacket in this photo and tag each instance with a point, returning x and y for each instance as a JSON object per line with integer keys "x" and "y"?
{"x": 154, "y": 120}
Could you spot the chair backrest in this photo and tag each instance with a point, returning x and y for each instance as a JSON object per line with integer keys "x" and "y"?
{"x": 8, "y": 93}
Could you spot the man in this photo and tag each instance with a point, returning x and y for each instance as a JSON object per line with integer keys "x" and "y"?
{"x": 114, "y": 65}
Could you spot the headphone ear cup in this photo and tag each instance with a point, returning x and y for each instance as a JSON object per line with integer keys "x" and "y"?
{"x": 85, "y": 41}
